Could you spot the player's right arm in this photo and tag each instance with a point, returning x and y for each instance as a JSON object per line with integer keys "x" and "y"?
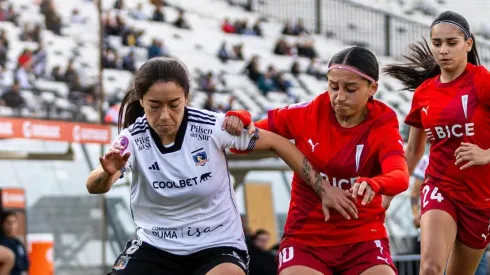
{"x": 419, "y": 174}
{"x": 112, "y": 163}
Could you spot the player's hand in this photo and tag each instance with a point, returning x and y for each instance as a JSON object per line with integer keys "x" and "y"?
{"x": 339, "y": 200}
{"x": 362, "y": 189}
{"x": 113, "y": 161}
{"x": 234, "y": 126}
{"x": 472, "y": 154}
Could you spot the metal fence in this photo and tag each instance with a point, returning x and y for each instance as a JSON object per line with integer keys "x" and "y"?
{"x": 353, "y": 23}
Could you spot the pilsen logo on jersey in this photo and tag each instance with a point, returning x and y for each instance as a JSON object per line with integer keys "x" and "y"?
{"x": 200, "y": 157}
{"x": 201, "y": 133}
{"x": 455, "y": 130}
{"x": 143, "y": 143}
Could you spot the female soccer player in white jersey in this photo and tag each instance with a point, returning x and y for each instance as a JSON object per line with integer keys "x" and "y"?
{"x": 181, "y": 197}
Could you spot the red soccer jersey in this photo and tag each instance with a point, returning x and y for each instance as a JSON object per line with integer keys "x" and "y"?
{"x": 344, "y": 154}
{"x": 451, "y": 113}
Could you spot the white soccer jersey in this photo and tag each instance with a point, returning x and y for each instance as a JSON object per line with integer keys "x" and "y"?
{"x": 419, "y": 171}
{"x": 182, "y": 200}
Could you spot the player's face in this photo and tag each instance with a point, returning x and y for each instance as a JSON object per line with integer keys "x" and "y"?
{"x": 448, "y": 46}
{"x": 10, "y": 226}
{"x": 164, "y": 108}
{"x": 349, "y": 92}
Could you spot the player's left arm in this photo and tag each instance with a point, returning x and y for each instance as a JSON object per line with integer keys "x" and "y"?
{"x": 483, "y": 86}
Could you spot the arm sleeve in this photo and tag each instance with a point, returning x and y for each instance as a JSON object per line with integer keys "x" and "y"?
{"x": 394, "y": 178}
{"x": 224, "y": 140}
{"x": 288, "y": 121}
{"x": 124, "y": 141}
{"x": 414, "y": 117}
{"x": 419, "y": 171}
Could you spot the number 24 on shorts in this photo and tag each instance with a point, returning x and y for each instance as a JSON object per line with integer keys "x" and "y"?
{"x": 434, "y": 195}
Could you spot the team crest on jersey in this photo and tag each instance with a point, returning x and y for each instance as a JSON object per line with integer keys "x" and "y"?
{"x": 121, "y": 262}
{"x": 200, "y": 157}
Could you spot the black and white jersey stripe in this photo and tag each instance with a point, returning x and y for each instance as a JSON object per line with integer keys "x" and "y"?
{"x": 139, "y": 127}
{"x": 200, "y": 117}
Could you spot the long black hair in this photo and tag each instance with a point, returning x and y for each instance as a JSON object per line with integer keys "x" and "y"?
{"x": 421, "y": 64}
{"x": 156, "y": 69}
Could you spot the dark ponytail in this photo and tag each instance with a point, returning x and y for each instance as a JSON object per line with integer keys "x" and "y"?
{"x": 154, "y": 70}
{"x": 473, "y": 56}
{"x": 421, "y": 64}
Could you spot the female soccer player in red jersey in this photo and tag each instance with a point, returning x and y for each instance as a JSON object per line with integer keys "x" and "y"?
{"x": 450, "y": 108}
{"x": 354, "y": 140}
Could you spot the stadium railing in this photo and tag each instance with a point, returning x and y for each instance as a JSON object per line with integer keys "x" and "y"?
{"x": 352, "y": 23}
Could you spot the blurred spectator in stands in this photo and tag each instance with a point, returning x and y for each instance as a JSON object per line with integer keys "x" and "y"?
{"x": 266, "y": 83}
{"x": 227, "y": 27}
{"x": 52, "y": 20}
{"x": 3, "y": 36}
{"x": 237, "y": 52}
{"x": 39, "y": 61}
{"x": 9, "y": 239}
{"x": 110, "y": 59}
{"x": 25, "y": 35}
{"x": 129, "y": 63}
{"x": 23, "y": 75}
{"x": 252, "y": 69}
{"x": 223, "y": 53}
{"x": 138, "y": 13}
{"x": 12, "y": 97}
{"x": 11, "y": 15}
{"x": 3, "y": 53}
{"x": 56, "y": 74}
{"x": 295, "y": 69}
{"x": 208, "y": 83}
{"x": 44, "y": 6}
{"x": 209, "y": 103}
{"x": 257, "y": 28}
{"x": 282, "y": 47}
{"x": 305, "y": 47}
{"x": 158, "y": 15}
{"x": 240, "y": 26}
{"x": 288, "y": 29}
{"x": 7, "y": 260}
{"x": 81, "y": 93}
{"x": 262, "y": 261}
{"x": 299, "y": 28}
{"x": 132, "y": 37}
{"x": 70, "y": 72}
{"x": 76, "y": 17}
{"x": 36, "y": 33}
{"x": 181, "y": 22}
{"x": 223, "y": 108}
{"x": 157, "y": 49}
{"x": 282, "y": 84}
{"x": 119, "y": 4}
{"x": 314, "y": 69}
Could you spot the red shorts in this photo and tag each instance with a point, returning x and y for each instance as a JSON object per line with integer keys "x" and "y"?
{"x": 473, "y": 224}
{"x": 347, "y": 259}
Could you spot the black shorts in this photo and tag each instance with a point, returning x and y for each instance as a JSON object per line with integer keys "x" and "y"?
{"x": 142, "y": 258}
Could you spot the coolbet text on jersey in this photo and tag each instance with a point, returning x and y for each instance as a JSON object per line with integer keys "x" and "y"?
{"x": 452, "y": 113}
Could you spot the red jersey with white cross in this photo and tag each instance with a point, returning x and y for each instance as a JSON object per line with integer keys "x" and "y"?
{"x": 452, "y": 113}
{"x": 344, "y": 154}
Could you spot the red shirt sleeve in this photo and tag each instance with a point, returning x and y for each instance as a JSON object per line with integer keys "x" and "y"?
{"x": 414, "y": 116}
{"x": 395, "y": 177}
{"x": 483, "y": 88}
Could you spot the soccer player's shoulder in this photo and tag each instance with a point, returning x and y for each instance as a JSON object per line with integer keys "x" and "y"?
{"x": 204, "y": 117}
{"x": 383, "y": 113}
{"x": 139, "y": 126}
